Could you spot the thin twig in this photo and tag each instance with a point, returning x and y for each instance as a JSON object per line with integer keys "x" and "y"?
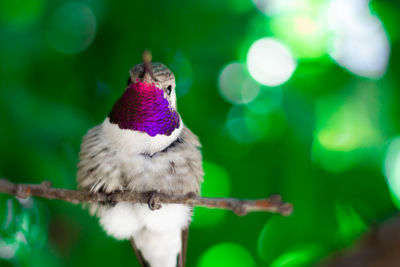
{"x": 272, "y": 204}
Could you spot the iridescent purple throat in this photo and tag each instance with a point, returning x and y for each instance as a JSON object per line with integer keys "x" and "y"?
{"x": 143, "y": 108}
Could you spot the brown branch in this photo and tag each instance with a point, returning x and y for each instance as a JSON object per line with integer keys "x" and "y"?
{"x": 239, "y": 206}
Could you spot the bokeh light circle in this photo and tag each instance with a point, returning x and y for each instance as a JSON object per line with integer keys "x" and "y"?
{"x": 183, "y": 71}
{"x": 242, "y": 127}
{"x": 72, "y": 28}
{"x": 392, "y": 170}
{"x": 270, "y": 62}
{"x": 346, "y": 123}
{"x": 216, "y": 183}
{"x": 266, "y": 101}
{"x": 304, "y": 33}
{"x": 226, "y": 255}
{"x": 303, "y": 255}
{"x": 350, "y": 224}
{"x": 236, "y": 85}
{"x": 360, "y": 43}
{"x": 276, "y": 7}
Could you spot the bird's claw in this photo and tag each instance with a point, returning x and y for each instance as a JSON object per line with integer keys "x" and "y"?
{"x": 110, "y": 199}
{"x": 154, "y": 201}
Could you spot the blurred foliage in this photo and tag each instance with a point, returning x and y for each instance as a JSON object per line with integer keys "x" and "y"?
{"x": 321, "y": 138}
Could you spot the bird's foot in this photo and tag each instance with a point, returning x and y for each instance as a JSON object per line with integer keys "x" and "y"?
{"x": 154, "y": 200}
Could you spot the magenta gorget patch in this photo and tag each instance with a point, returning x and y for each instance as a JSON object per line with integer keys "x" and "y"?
{"x": 143, "y": 107}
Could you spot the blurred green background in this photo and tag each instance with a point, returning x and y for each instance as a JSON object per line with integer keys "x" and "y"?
{"x": 296, "y": 97}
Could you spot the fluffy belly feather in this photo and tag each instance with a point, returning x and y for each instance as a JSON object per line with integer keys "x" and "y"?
{"x": 125, "y": 219}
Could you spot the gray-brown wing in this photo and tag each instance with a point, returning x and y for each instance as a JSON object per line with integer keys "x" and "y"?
{"x": 98, "y": 166}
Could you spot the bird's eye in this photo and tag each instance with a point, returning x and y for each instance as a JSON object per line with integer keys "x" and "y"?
{"x": 169, "y": 90}
{"x": 129, "y": 81}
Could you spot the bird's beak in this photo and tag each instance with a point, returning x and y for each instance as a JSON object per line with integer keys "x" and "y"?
{"x": 147, "y": 75}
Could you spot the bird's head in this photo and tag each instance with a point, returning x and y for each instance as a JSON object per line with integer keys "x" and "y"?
{"x": 149, "y": 101}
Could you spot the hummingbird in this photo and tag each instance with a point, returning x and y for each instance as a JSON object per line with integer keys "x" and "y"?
{"x": 144, "y": 146}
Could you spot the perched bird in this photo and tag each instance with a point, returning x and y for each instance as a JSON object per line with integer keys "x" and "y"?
{"x": 143, "y": 146}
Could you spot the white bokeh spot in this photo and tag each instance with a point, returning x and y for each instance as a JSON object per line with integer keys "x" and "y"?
{"x": 236, "y": 85}
{"x": 270, "y": 62}
{"x": 360, "y": 43}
